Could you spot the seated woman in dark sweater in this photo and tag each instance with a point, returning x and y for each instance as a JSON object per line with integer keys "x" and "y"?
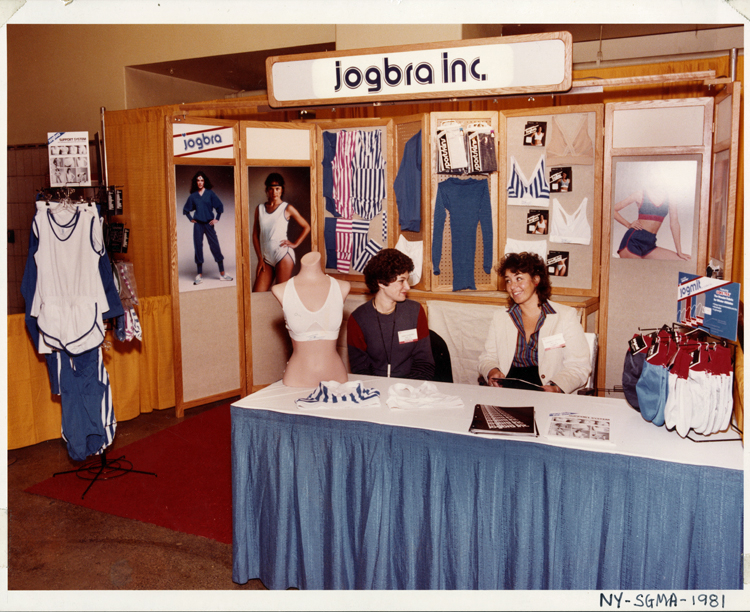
{"x": 388, "y": 336}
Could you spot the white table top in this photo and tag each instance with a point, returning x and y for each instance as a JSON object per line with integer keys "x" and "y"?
{"x": 630, "y": 433}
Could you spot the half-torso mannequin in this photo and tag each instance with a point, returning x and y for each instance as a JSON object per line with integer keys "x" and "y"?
{"x": 312, "y": 303}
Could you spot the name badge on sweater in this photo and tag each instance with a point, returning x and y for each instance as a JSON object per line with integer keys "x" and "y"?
{"x": 407, "y": 335}
{"x": 553, "y": 342}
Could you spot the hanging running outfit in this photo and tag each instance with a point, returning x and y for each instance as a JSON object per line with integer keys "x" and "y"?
{"x": 69, "y": 299}
{"x": 67, "y": 273}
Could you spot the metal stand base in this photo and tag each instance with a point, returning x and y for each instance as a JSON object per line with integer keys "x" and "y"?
{"x": 103, "y": 469}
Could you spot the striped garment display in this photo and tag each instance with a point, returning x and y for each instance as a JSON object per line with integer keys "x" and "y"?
{"x": 342, "y": 172}
{"x": 358, "y": 188}
{"x": 370, "y": 249}
{"x": 368, "y": 151}
{"x": 368, "y": 191}
{"x": 360, "y": 228}
{"x": 342, "y": 395}
{"x": 525, "y": 192}
{"x": 368, "y": 175}
{"x": 343, "y": 244}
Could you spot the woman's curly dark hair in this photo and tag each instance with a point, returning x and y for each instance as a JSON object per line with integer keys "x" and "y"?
{"x": 384, "y": 267}
{"x": 531, "y": 264}
{"x": 194, "y": 182}
{"x": 275, "y": 177}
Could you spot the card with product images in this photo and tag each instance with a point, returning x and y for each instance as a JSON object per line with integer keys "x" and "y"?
{"x": 537, "y": 222}
{"x": 561, "y": 180}
{"x": 535, "y": 134}
{"x": 558, "y": 263}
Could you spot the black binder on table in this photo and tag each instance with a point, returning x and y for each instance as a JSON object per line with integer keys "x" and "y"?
{"x": 504, "y": 420}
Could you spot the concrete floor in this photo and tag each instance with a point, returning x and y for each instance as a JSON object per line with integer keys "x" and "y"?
{"x": 54, "y": 545}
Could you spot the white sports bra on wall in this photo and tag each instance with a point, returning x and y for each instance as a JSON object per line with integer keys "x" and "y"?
{"x": 571, "y": 228}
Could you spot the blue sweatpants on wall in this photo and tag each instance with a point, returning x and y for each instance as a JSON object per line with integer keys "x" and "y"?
{"x": 207, "y": 230}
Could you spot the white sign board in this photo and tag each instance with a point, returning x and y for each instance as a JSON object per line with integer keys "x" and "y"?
{"x": 69, "y": 160}
{"x": 482, "y": 67}
{"x": 212, "y": 141}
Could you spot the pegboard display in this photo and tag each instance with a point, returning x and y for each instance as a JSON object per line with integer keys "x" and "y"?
{"x": 458, "y": 249}
{"x": 551, "y": 196}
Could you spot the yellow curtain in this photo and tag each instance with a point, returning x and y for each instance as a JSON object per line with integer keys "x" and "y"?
{"x": 141, "y": 375}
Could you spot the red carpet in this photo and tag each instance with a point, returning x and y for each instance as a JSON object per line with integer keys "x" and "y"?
{"x": 192, "y": 491}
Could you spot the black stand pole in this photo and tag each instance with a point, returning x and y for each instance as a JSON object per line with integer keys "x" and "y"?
{"x": 103, "y": 469}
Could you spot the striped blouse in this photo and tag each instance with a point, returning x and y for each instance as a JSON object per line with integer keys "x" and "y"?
{"x": 527, "y": 353}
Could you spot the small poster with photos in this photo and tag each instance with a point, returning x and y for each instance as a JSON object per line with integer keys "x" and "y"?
{"x": 571, "y": 425}
{"x": 535, "y": 134}
{"x": 537, "y": 221}
{"x": 561, "y": 180}
{"x": 69, "y": 163}
{"x": 558, "y": 263}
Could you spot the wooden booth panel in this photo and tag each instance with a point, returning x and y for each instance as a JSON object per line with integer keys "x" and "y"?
{"x": 209, "y": 365}
{"x": 135, "y": 153}
{"x": 287, "y": 149}
{"x": 443, "y": 258}
{"x": 636, "y": 290}
{"x": 562, "y": 146}
{"x": 724, "y": 182}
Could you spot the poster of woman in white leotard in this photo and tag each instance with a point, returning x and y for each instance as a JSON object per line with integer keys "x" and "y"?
{"x": 295, "y": 187}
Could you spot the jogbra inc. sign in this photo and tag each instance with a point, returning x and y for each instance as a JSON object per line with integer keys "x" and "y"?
{"x": 488, "y": 66}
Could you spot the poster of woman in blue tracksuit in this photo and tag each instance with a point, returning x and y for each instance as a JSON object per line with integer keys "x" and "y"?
{"x": 205, "y": 218}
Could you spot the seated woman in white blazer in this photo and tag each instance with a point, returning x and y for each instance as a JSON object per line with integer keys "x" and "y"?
{"x": 534, "y": 340}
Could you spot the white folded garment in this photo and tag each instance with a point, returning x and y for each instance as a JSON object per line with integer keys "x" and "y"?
{"x": 405, "y": 397}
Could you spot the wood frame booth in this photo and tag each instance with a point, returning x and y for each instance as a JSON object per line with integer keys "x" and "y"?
{"x": 219, "y": 346}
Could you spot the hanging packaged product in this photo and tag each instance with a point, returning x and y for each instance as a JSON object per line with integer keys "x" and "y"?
{"x": 480, "y": 139}
{"x": 118, "y": 201}
{"x": 115, "y": 237}
{"x": 451, "y": 148}
{"x": 110, "y": 201}
{"x": 125, "y": 240}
